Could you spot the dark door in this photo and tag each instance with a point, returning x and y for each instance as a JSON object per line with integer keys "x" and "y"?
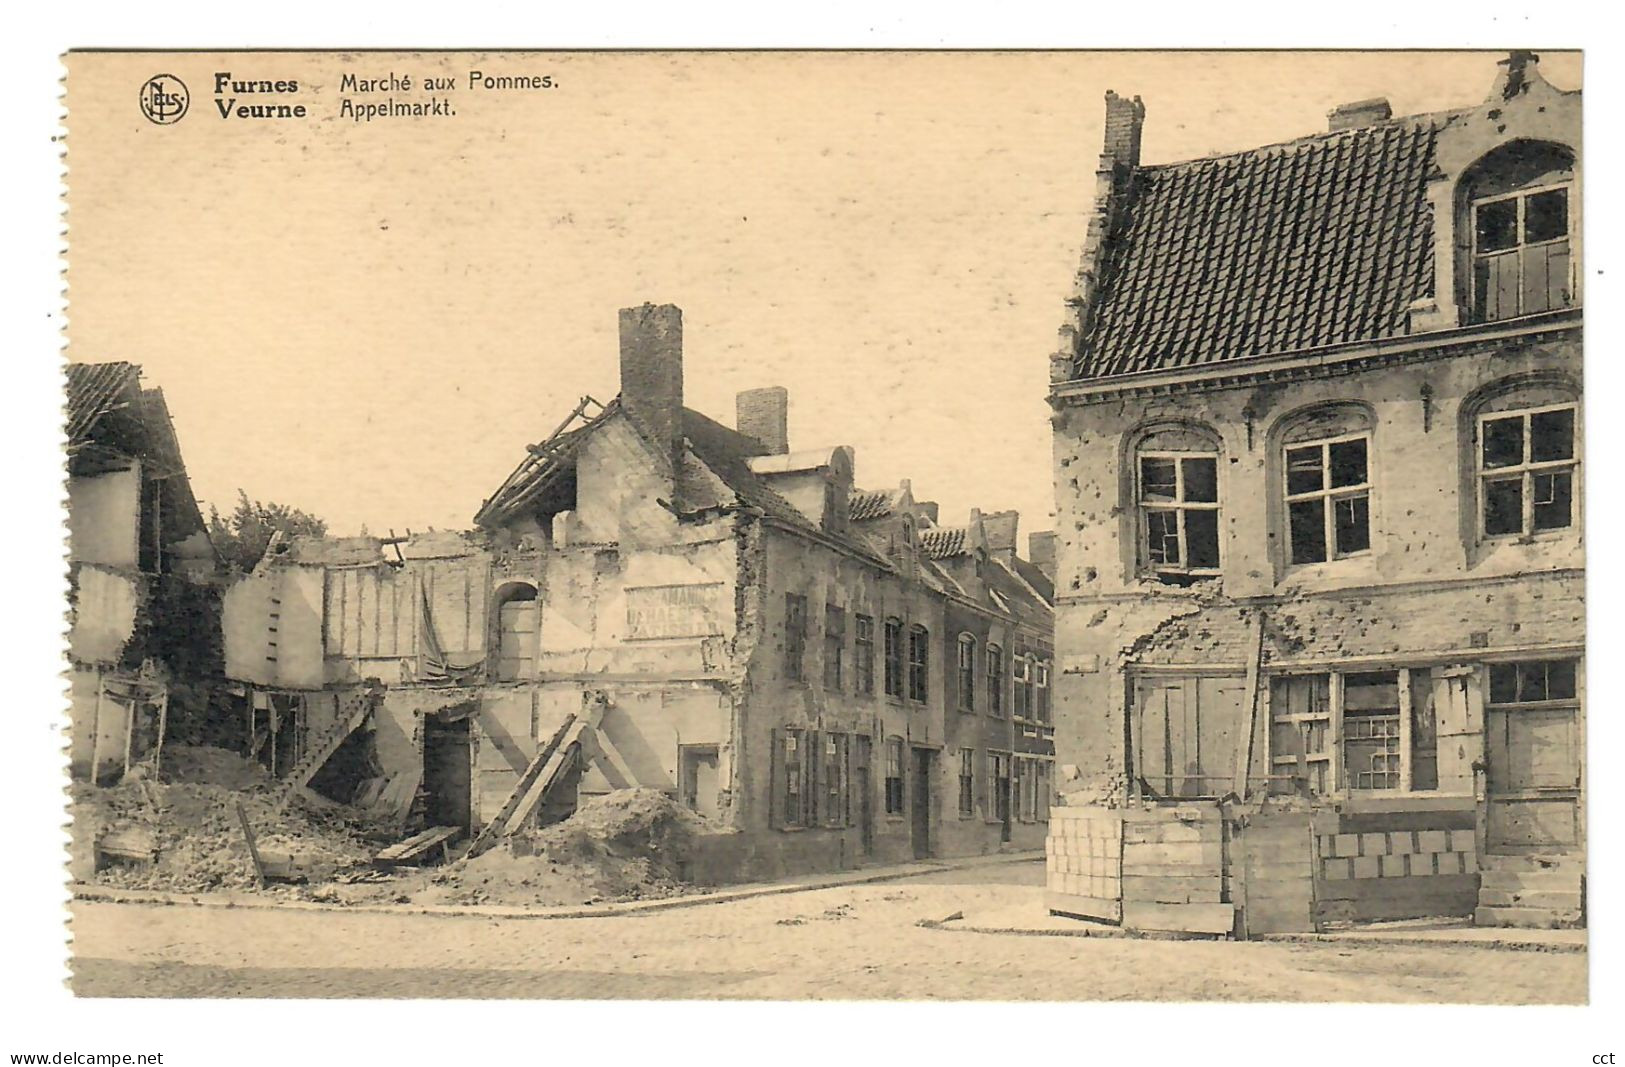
{"x": 922, "y": 803}
{"x": 447, "y": 773}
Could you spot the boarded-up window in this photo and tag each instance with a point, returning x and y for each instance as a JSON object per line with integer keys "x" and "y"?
{"x": 1185, "y": 733}
{"x": 1301, "y": 737}
{"x": 836, "y": 782}
{"x": 517, "y": 622}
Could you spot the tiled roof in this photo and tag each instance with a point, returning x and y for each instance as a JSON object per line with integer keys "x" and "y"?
{"x": 943, "y": 542}
{"x": 867, "y": 504}
{"x": 1314, "y": 242}
{"x": 94, "y": 389}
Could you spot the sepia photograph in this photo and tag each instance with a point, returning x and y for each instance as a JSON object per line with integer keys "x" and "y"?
{"x": 1039, "y": 526}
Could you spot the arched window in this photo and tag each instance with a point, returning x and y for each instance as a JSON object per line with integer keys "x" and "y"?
{"x": 1176, "y": 490}
{"x": 1516, "y": 205}
{"x": 995, "y": 681}
{"x": 894, "y": 658}
{"x": 1326, "y": 483}
{"x": 1526, "y": 460}
{"x": 518, "y": 616}
{"x": 919, "y": 657}
{"x": 966, "y": 672}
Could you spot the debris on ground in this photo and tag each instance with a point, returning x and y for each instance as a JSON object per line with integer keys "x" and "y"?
{"x": 631, "y": 844}
{"x": 188, "y": 820}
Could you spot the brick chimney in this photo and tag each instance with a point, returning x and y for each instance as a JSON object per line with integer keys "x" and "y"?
{"x": 652, "y": 374}
{"x": 765, "y": 415}
{"x": 1041, "y": 552}
{"x": 1517, "y": 69}
{"x": 1360, "y": 113}
{"x": 1125, "y": 119}
{"x": 1000, "y": 528}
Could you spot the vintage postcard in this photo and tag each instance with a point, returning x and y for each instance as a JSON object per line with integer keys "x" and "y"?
{"x": 1030, "y": 526}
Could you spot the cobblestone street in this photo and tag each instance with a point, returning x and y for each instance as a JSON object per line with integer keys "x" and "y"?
{"x": 853, "y": 942}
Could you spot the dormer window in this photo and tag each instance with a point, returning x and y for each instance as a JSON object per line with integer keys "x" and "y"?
{"x": 1519, "y": 208}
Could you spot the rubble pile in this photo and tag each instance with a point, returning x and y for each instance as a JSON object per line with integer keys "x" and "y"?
{"x": 627, "y": 845}
{"x": 192, "y": 826}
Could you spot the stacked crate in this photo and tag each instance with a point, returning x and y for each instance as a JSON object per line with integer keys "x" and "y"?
{"x": 1173, "y": 869}
{"x": 1084, "y": 863}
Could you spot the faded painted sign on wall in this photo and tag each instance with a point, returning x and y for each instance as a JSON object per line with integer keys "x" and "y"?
{"x": 659, "y": 611}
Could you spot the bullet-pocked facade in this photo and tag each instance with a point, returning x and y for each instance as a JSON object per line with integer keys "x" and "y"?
{"x": 1318, "y": 462}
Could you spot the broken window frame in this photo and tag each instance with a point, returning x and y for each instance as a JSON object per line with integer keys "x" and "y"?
{"x": 1519, "y": 251}
{"x": 966, "y": 672}
{"x": 863, "y": 653}
{"x": 1179, "y": 507}
{"x": 1330, "y": 762}
{"x": 795, "y": 637}
{"x": 919, "y": 663}
{"x": 1021, "y": 688}
{"x": 1527, "y": 471}
{"x": 894, "y": 799}
{"x": 967, "y": 783}
{"x": 834, "y": 646}
{"x": 1328, "y": 495}
{"x": 894, "y": 658}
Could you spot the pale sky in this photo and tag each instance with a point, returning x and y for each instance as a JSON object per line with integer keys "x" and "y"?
{"x": 371, "y": 321}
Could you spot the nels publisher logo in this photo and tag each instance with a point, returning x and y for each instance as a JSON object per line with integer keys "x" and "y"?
{"x": 164, "y": 99}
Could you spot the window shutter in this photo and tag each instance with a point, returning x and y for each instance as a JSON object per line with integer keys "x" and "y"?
{"x": 981, "y": 781}
{"x": 812, "y": 776}
{"x": 775, "y": 800}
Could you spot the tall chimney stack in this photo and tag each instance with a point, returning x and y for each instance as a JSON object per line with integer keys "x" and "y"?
{"x": 765, "y": 415}
{"x": 652, "y": 374}
{"x": 1125, "y": 119}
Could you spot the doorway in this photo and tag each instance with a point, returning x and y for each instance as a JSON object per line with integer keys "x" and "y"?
{"x": 448, "y": 773}
{"x": 699, "y": 779}
{"x": 921, "y": 814}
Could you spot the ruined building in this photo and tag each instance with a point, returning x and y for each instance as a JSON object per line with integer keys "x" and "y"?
{"x": 138, "y": 553}
{"x": 1320, "y": 563}
{"x": 653, "y": 599}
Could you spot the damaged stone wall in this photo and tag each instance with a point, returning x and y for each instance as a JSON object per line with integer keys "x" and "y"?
{"x": 1428, "y": 584}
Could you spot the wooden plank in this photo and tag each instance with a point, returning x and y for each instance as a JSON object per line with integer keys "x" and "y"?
{"x": 1184, "y": 918}
{"x": 253, "y": 849}
{"x": 1194, "y": 853}
{"x": 1071, "y": 904}
{"x": 1173, "y": 890}
{"x": 417, "y": 846}
{"x": 1249, "y": 707}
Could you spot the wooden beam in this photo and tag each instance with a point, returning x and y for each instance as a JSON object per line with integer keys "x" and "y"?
{"x": 253, "y": 848}
{"x": 1244, "y": 743}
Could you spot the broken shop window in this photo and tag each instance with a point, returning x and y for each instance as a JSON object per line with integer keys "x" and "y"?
{"x": 1365, "y": 731}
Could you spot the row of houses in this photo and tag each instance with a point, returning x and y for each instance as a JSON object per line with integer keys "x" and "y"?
{"x": 1306, "y": 644}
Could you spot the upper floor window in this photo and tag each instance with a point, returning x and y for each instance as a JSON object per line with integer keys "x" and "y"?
{"x": 864, "y": 652}
{"x": 966, "y": 670}
{"x": 1023, "y": 671}
{"x": 1326, "y": 465}
{"x": 1041, "y": 708}
{"x": 834, "y": 646}
{"x": 1518, "y": 207}
{"x": 919, "y": 653}
{"x": 1526, "y": 470}
{"x": 1177, "y": 494}
{"x": 995, "y": 681}
{"x": 894, "y": 658}
{"x": 795, "y": 635}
